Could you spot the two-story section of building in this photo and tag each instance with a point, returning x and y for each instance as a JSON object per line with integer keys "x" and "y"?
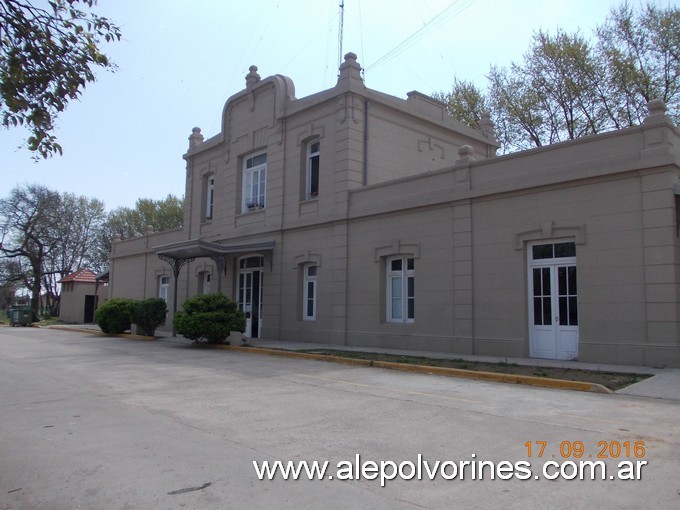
{"x": 352, "y": 217}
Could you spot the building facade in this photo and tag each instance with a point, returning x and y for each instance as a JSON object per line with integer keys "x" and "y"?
{"x": 352, "y": 217}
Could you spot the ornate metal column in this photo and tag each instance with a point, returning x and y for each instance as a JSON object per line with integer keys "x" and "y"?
{"x": 176, "y": 264}
{"x": 221, "y": 263}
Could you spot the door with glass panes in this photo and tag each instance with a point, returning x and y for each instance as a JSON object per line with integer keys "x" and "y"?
{"x": 553, "y": 300}
{"x": 250, "y": 286}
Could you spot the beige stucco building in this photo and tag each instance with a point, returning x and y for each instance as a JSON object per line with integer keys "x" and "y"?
{"x": 357, "y": 218}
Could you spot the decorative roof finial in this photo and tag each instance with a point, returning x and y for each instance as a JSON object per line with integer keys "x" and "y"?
{"x": 195, "y": 137}
{"x": 657, "y": 111}
{"x": 350, "y": 71}
{"x": 252, "y": 77}
{"x": 466, "y": 152}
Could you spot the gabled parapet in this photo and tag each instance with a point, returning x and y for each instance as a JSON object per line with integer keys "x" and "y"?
{"x": 284, "y": 93}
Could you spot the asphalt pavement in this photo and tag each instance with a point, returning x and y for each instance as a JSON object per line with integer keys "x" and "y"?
{"x": 664, "y": 383}
{"x": 96, "y": 422}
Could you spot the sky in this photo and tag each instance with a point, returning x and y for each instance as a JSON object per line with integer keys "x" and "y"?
{"x": 180, "y": 60}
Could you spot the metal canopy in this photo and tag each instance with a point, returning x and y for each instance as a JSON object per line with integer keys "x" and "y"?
{"x": 180, "y": 253}
{"x": 195, "y": 248}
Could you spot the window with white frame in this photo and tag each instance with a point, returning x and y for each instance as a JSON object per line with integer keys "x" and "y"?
{"x": 313, "y": 159}
{"x": 309, "y": 294}
{"x": 400, "y": 289}
{"x": 163, "y": 286}
{"x": 209, "y": 198}
{"x": 254, "y": 182}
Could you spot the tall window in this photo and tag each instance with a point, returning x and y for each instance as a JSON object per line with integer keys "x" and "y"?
{"x": 400, "y": 289}
{"x": 254, "y": 182}
{"x": 163, "y": 286}
{"x": 313, "y": 148}
{"x": 206, "y": 282}
{"x": 309, "y": 298}
{"x": 209, "y": 198}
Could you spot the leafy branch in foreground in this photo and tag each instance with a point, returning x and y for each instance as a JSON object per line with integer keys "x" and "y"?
{"x": 47, "y": 56}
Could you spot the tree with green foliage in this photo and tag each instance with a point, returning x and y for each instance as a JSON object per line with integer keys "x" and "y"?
{"x": 640, "y": 54}
{"x": 47, "y": 56}
{"x": 46, "y": 236}
{"x": 28, "y": 218}
{"x": 568, "y": 86}
{"x": 164, "y": 214}
{"x": 466, "y": 102}
{"x": 76, "y": 236}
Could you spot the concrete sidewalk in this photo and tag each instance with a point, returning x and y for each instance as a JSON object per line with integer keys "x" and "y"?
{"x": 664, "y": 383}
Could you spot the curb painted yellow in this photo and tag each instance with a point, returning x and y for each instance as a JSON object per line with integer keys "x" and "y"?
{"x": 529, "y": 380}
{"x": 135, "y": 337}
{"x": 289, "y": 354}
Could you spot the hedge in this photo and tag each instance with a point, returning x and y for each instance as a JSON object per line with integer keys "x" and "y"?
{"x": 148, "y": 315}
{"x": 113, "y": 317}
{"x": 209, "y": 317}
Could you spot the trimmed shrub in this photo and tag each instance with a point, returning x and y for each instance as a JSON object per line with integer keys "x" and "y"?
{"x": 113, "y": 317}
{"x": 149, "y": 314}
{"x": 209, "y": 317}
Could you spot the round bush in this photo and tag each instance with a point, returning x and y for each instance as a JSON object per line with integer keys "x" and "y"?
{"x": 113, "y": 317}
{"x": 209, "y": 317}
{"x": 149, "y": 314}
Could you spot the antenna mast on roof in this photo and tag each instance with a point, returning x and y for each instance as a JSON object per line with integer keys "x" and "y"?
{"x": 341, "y": 29}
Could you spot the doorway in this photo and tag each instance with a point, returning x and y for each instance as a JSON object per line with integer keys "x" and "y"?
{"x": 553, "y": 300}
{"x": 250, "y": 290}
{"x": 88, "y": 312}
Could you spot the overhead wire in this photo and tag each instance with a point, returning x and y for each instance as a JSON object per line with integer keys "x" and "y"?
{"x": 444, "y": 50}
{"x": 454, "y": 9}
{"x": 257, "y": 34}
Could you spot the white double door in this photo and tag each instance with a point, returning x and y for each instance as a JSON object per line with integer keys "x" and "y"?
{"x": 250, "y": 300}
{"x": 553, "y": 303}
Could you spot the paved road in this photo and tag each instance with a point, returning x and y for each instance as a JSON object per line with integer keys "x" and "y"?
{"x": 104, "y": 423}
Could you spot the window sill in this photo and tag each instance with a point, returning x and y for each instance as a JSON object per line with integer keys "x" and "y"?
{"x": 253, "y": 210}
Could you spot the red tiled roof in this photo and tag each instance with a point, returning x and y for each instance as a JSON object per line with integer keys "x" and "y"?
{"x": 82, "y": 275}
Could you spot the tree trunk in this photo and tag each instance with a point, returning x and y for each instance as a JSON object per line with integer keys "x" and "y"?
{"x": 35, "y": 296}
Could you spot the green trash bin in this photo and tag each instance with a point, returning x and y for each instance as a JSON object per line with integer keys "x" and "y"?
{"x": 20, "y": 316}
